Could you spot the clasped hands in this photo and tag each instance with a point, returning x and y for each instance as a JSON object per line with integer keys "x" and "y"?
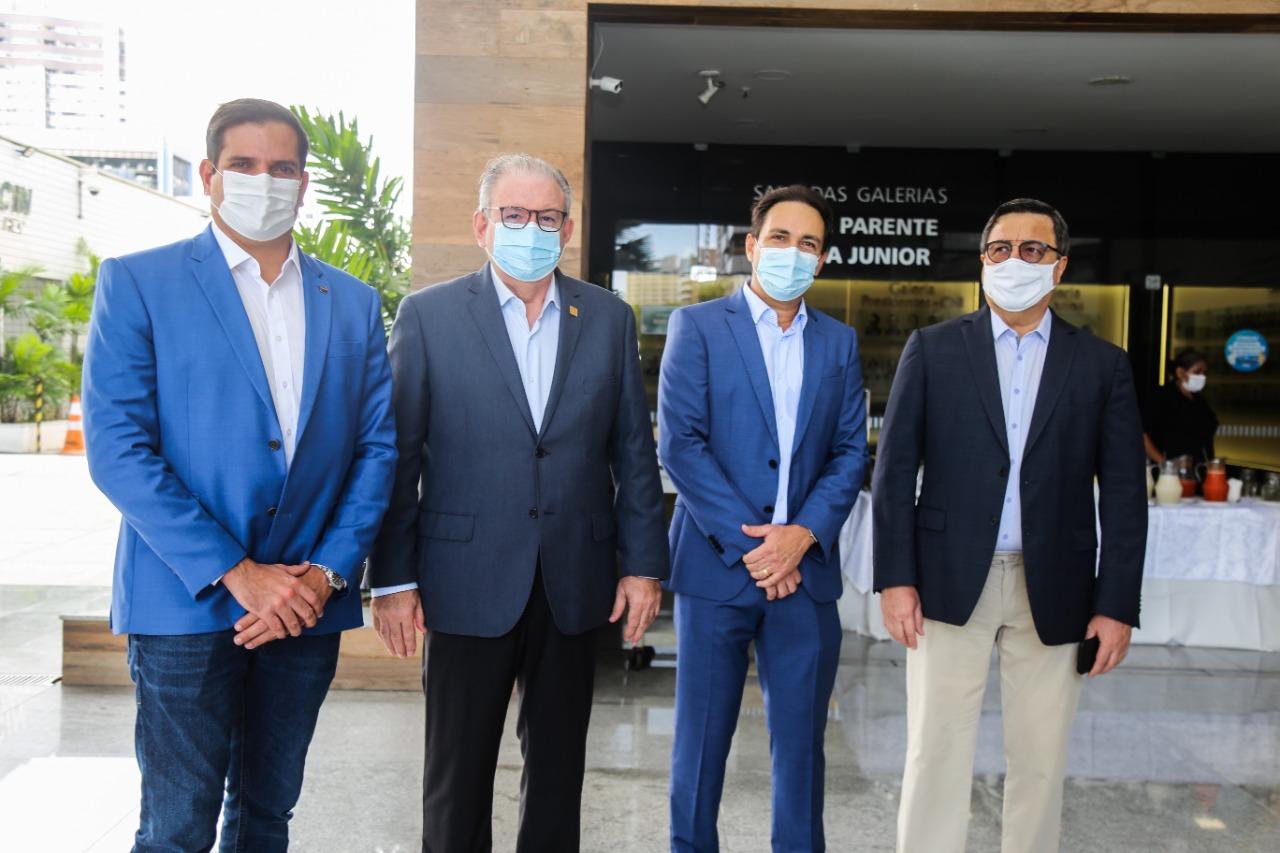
{"x": 281, "y": 600}
{"x": 775, "y": 563}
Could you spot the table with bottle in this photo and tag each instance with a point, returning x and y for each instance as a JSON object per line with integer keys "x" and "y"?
{"x": 1211, "y": 575}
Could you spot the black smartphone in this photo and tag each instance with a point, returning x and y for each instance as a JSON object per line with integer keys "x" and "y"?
{"x": 1087, "y": 655}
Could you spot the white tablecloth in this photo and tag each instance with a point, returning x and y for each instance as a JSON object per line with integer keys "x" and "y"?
{"x": 1201, "y": 541}
{"x": 1211, "y": 577}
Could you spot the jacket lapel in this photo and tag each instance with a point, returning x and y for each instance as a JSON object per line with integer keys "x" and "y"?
{"x": 1057, "y": 367}
{"x": 487, "y": 314}
{"x": 815, "y": 365}
{"x": 570, "y": 327}
{"x": 976, "y": 330}
{"x": 738, "y": 316}
{"x": 219, "y": 288}
{"x": 319, "y": 312}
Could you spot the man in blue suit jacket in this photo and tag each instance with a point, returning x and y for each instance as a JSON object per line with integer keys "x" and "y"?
{"x": 238, "y": 414}
{"x": 761, "y": 426}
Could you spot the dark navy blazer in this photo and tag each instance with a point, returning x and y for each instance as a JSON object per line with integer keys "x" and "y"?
{"x": 482, "y": 497}
{"x": 945, "y": 412}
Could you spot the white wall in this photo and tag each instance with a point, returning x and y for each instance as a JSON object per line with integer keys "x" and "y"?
{"x": 70, "y": 201}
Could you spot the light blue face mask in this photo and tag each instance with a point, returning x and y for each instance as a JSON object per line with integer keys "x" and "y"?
{"x": 785, "y": 274}
{"x": 528, "y": 253}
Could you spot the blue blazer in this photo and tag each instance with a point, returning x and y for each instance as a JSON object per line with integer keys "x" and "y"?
{"x": 182, "y": 436}
{"x": 719, "y": 443}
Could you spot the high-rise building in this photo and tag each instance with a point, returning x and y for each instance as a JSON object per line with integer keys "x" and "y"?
{"x": 60, "y": 74}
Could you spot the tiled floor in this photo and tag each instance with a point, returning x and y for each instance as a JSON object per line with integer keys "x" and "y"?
{"x": 1177, "y": 751}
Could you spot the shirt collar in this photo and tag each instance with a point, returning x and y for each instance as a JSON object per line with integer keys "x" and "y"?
{"x": 999, "y": 327}
{"x": 760, "y": 309}
{"x": 505, "y": 294}
{"x": 235, "y": 255}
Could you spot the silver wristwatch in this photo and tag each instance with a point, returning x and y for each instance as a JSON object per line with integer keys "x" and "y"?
{"x": 336, "y": 581}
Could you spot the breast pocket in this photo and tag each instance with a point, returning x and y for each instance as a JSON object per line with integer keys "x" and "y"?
{"x": 346, "y": 349}
{"x": 601, "y": 386}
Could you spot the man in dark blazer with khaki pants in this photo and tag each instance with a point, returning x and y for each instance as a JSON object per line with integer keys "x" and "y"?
{"x": 528, "y": 482}
{"x": 1013, "y": 413}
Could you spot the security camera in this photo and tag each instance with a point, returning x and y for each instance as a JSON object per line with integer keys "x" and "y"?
{"x": 713, "y": 86}
{"x": 612, "y": 85}
{"x": 94, "y": 190}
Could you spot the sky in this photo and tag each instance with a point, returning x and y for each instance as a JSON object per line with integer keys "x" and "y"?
{"x": 183, "y": 58}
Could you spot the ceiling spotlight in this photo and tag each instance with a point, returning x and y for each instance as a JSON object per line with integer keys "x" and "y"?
{"x": 714, "y": 84}
{"x": 612, "y": 85}
{"x": 1111, "y": 80}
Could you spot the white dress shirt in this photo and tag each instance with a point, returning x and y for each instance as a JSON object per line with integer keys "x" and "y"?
{"x": 784, "y": 362}
{"x": 278, "y": 317}
{"x": 1020, "y": 363}
{"x": 535, "y": 350}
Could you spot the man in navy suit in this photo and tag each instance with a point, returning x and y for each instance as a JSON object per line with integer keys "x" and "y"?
{"x": 762, "y": 430}
{"x": 1013, "y": 412}
{"x": 526, "y": 513}
{"x": 237, "y": 404}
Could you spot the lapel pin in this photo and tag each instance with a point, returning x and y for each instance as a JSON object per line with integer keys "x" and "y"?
{"x": 324, "y": 289}
{"x": 573, "y": 310}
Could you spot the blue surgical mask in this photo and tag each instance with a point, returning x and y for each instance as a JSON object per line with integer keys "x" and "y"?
{"x": 785, "y": 274}
{"x": 528, "y": 253}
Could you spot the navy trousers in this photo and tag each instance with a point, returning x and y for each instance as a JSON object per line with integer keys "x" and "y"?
{"x": 223, "y": 729}
{"x": 797, "y": 643}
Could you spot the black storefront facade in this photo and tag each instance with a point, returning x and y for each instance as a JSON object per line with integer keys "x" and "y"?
{"x": 1167, "y": 251}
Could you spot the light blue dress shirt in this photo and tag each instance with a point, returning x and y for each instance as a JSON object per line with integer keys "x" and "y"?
{"x": 784, "y": 361}
{"x": 1020, "y": 363}
{"x": 535, "y": 351}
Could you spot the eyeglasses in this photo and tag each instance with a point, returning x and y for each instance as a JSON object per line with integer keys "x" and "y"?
{"x": 1031, "y": 251}
{"x": 518, "y": 217}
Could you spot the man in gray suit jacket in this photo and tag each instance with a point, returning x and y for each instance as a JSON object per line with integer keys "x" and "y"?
{"x": 527, "y": 473}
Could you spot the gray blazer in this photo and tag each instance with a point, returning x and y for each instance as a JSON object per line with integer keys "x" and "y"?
{"x": 480, "y": 496}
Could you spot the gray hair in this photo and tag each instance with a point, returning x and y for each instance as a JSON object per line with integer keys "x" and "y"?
{"x": 503, "y": 163}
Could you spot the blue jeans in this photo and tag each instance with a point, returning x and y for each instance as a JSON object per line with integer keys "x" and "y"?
{"x": 222, "y": 729}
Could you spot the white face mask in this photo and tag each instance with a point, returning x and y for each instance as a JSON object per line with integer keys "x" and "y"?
{"x": 258, "y": 207}
{"x": 1016, "y": 285}
{"x": 1194, "y": 382}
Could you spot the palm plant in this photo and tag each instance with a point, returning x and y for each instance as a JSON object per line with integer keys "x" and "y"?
{"x": 361, "y": 232}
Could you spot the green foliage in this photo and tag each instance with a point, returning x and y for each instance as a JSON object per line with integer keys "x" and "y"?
{"x": 361, "y": 232}
{"x": 57, "y": 313}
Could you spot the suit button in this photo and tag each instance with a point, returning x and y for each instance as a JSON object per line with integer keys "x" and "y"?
{"x": 1004, "y": 471}
{"x": 995, "y": 519}
{"x": 540, "y": 452}
{"x": 273, "y": 444}
{"x": 773, "y": 463}
{"x": 271, "y": 511}
{"x": 533, "y": 512}
{"x": 768, "y": 508}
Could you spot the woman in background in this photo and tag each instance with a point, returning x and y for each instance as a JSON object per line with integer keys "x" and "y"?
{"x": 1178, "y": 420}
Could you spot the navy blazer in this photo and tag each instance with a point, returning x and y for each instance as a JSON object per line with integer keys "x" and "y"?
{"x": 481, "y": 496}
{"x": 718, "y": 441}
{"x": 182, "y": 435}
{"x": 945, "y": 412}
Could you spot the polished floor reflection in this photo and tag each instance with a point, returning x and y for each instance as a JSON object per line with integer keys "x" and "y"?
{"x": 1177, "y": 751}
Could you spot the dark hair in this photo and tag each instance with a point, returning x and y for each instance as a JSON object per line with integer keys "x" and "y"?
{"x": 1187, "y": 358}
{"x": 1061, "y": 237}
{"x": 794, "y": 192}
{"x": 250, "y": 111}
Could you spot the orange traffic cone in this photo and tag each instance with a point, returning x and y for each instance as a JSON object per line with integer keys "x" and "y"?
{"x": 75, "y": 437}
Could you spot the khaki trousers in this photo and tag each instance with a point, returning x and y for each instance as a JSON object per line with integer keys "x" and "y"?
{"x": 1039, "y": 692}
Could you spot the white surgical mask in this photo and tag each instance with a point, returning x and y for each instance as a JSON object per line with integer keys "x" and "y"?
{"x": 1016, "y": 285}
{"x": 1194, "y": 382}
{"x": 259, "y": 207}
